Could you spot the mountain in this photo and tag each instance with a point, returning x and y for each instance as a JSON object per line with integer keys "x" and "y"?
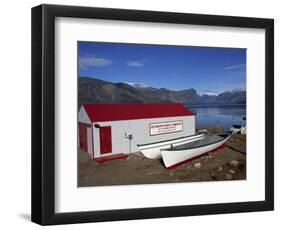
{"x": 233, "y": 97}
{"x": 164, "y": 95}
{"x": 207, "y": 99}
{"x": 97, "y": 91}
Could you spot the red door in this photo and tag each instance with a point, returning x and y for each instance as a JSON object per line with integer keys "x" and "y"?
{"x": 83, "y": 138}
{"x": 105, "y": 140}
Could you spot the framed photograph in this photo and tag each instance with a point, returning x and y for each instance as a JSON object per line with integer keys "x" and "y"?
{"x": 141, "y": 114}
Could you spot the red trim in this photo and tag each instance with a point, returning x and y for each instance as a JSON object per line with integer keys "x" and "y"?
{"x": 221, "y": 147}
{"x": 194, "y": 158}
{"x": 111, "y": 157}
{"x": 117, "y": 112}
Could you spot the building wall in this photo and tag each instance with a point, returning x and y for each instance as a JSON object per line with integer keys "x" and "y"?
{"x": 83, "y": 116}
{"x": 140, "y": 131}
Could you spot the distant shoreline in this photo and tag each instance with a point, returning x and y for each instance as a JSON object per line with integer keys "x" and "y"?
{"x": 213, "y": 105}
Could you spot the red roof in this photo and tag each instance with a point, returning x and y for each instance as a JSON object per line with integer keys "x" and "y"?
{"x": 117, "y": 112}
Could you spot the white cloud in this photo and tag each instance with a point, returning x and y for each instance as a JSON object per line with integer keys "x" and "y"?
{"x": 86, "y": 62}
{"x": 235, "y": 67}
{"x": 135, "y": 64}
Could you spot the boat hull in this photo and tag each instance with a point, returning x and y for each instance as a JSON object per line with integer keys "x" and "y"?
{"x": 153, "y": 151}
{"x": 175, "y": 158}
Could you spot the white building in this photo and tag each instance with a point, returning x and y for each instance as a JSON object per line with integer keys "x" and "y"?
{"x": 109, "y": 131}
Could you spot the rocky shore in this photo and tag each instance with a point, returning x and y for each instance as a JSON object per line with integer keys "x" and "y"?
{"x": 228, "y": 163}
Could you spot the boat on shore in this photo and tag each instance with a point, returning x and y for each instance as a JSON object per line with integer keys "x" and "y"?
{"x": 177, "y": 155}
{"x": 239, "y": 129}
{"x": 152, "y": 150}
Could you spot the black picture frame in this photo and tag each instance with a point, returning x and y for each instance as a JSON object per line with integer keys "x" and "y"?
{"x": 43, "y": 110}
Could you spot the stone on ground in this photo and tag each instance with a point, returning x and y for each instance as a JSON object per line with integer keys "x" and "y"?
{"x": 197, "y": 165}
{"x": 234, "y": 163}
{"x": 228, "y": 176}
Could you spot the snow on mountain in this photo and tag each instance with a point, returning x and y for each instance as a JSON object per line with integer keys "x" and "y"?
{"x": 137, "y": 85}
{"x": 208, "y": 93}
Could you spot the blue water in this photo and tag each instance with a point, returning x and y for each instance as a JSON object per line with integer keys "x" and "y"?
{"x": 223, "y": 115}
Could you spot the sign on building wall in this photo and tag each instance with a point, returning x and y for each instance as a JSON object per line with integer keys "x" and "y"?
{"x": 165, "y": 127}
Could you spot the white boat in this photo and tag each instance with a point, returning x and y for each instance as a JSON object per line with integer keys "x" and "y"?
{"x": 243, "y": 130}
{"x": 152, "y": 150}
{"x": 239, "y": 129}
{"x": 177, "y": 155}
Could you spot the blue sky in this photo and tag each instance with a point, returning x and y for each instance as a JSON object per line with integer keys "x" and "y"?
{"x": 172, "y": 67}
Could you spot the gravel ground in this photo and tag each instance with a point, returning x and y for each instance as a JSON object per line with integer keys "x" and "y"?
{"x": 226, "y": 164}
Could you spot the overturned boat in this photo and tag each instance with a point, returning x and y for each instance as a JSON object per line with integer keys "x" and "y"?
{"x": 152, "y": 150}
{"x": 177, "y": 155}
